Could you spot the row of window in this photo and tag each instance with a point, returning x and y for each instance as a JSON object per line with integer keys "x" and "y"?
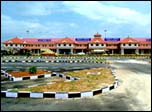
{"x": 51, "y": 45}
{"x": 136, "y": 44}
{"x": 97, "y": 44}
{"x": 130, "y": 44}
{"x": 64, "y": 44}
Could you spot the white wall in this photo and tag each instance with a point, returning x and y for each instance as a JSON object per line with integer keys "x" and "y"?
{"x": 127, "y": 46}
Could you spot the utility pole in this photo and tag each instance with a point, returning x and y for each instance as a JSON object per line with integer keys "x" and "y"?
{"x": 105, "y": 32}
{"x": 27, "y": 31}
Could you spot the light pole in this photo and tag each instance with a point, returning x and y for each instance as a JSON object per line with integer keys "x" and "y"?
{"x": 105, "y": 32}
{"x": 27, "y": 31}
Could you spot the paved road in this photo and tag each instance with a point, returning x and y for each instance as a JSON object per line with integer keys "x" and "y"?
{"x": 133, "y": 93}
{"x": 55, "y": 67}
{"x": 27, "y": 83}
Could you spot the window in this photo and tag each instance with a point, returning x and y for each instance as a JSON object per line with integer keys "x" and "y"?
{"x": 58, "y": 44}
{"x": 15, "y": 44}
{"x": 97, "y": 44}
{"x": 129, "y": 44}
{"x": 91, "y": 44}
{"x": 135, "y": 44}
{"x": 69, "y": 44}
{"x": 123, "y": 44}
{"x": 64, "y": 44}
{"x": 11, "y": 44}
{"x": 102, "y": 44}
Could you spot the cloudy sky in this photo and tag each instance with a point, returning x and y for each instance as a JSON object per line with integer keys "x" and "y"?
{"x": 75, "y": 19}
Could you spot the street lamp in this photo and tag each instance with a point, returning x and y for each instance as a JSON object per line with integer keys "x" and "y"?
{"x": 27, "y": 31}
{"x": 105, "y": 32}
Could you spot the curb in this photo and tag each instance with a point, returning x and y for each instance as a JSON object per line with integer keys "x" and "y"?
{"x": 60, "y": 95}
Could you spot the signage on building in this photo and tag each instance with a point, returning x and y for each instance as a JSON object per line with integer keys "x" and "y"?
{"x": 44, "y": 40}
{"x": 112, "y": 39}
{"x": 83, "y": 39}
{"x": 148, "y": 39}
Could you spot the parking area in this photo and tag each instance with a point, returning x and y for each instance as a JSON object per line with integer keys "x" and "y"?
{"x": 133, "y": 93}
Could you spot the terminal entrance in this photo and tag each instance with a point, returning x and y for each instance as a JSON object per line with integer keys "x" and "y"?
{"x": 64, "y": 51}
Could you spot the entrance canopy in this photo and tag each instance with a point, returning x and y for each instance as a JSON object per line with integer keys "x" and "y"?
{"x": 48, "y": 52}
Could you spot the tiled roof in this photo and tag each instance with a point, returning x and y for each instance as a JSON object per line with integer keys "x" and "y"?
{"x": 128, "y": 40}
{"x": 66, "y": 40}
{"x": 15, "y": 40}
{"x": 97, "y": 40}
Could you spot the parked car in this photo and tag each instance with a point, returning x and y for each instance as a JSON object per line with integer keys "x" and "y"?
{"x": 81, "y": 53}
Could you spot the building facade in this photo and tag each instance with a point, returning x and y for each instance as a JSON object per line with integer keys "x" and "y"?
{"x": 69, "y": 45}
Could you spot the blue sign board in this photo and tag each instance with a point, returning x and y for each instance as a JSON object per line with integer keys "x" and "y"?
{"x": 112, "y": 39}
{"x": 148, "y": 40}
{"x": 44, "y": 40}
{"x": 83, "y": 39}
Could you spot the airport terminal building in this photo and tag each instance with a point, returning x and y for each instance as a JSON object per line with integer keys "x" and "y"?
{"x": 96, "y": 44}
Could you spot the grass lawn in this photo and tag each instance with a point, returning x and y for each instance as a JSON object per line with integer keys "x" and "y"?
{"x": 89, "y": 79}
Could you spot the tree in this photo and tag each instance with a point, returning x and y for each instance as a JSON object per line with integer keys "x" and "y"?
{"x": 32, "y": 70}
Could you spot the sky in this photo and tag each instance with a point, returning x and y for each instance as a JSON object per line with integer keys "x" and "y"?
{"x": 59, "y": 19}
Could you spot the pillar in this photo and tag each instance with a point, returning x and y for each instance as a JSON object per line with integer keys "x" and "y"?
{"x": 57, "y": 51}
{"x": 112, "y": 51}
{"x": 122, "y": 51}
{"x": 137, "y": 51}
{"x": 71, "y": 51}
{"x": 142, "y": 51}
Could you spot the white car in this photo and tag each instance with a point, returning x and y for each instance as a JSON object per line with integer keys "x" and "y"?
{"x": 81, "y": 53}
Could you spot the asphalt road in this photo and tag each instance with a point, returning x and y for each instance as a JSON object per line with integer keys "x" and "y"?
{"x": 55, "y": 67}
{"x": 132, "y": 94}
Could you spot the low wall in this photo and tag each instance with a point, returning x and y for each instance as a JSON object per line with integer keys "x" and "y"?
{"x": 51, "y": 61}
{"x": 12, "y": 78}
{"x": 60, "y": 95}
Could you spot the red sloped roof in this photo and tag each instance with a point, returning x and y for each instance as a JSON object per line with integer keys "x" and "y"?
{"x": 66, "y": 40}
{"x": 97, "y": 40}
{"x": 30, "y": 42}
{"x": 15, "y": 40}
{"x": 128, "y": 40}
{"x": 143, "y": 41}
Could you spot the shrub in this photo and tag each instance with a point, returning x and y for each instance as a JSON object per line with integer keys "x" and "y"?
{"x": 32, "y": 70}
